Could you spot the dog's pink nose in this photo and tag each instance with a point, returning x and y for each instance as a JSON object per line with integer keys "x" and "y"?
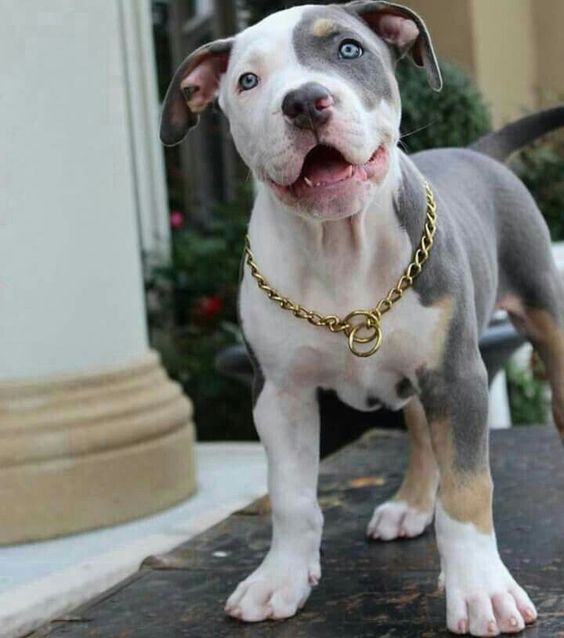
{"x": 324, "y": 102}
{"x": 309, "y": 106}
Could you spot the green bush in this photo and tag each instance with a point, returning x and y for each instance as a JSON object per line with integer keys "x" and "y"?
{"x": 456, "y": 116}
{"x": 541, "y": 167}
{"x": 527, "y": 396}
{"x": 193, "y": 316}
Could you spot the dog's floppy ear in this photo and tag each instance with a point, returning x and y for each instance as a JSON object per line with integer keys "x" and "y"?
{"x": 192, "y": 88}
{"x": 404, "y": 30}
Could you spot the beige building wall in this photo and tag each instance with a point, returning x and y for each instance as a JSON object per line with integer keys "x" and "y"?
{"x": 513, "y": 49}
{"x": 548, "y": 22}
{"x": 505, "y": 56}
{"x": 450, "y": 23}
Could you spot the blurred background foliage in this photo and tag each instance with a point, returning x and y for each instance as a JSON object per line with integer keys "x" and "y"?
{"x": 193, "y": 316}
{"x": 528, "y": 393}
{"x": 193, "y": 302}
{"x": 541, "y": 167}
{"x": 457, "y": 116}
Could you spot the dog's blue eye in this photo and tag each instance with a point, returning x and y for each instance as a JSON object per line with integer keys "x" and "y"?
{"x": 350, "y": 49}
{"x": 248, "y": 81}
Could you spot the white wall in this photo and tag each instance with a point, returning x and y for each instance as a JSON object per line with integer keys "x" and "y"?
{"x": 70, "y": 277}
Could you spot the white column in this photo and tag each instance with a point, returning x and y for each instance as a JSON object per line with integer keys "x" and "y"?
{"x": 144, "y": 116}
{"x": 80, "y": 393}
{"x": 499, "y": 412}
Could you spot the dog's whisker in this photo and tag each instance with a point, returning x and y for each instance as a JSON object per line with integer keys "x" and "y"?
{"x": 418, "y": 130}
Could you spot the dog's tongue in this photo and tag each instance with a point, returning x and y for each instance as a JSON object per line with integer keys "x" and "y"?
{"x": 326, "y": 165}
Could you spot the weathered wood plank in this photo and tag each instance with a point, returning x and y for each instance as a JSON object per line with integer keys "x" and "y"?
{"x": 368, "y": 589}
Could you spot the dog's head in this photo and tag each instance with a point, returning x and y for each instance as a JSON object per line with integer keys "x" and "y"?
{"x": 311, "y": 97}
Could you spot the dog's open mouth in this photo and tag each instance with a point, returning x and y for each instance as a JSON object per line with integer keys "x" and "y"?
{"x": 325, "y": 167}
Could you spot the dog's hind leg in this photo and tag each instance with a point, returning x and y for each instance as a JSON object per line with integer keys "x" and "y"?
{"x": 530, "y": 287}
{"x": 544, "y": 327}
{"x": 548, "y": 338}
{"x": 535, "y": 302}
{"x": 410, "y": 511}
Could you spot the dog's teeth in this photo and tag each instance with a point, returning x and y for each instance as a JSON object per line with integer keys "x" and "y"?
{"x": 308, "y": 181}
{"x": 351, "y": 171}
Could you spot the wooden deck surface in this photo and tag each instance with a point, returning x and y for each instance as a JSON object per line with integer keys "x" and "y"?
{"x": 367, "y": 589}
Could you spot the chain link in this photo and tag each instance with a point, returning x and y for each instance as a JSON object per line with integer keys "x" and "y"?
{"x": 359, "y": 326}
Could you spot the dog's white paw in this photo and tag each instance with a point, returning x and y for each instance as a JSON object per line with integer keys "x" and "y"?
{"x": 488, "y": 605}
{"x": 482, "y": 597}
{"x": 397, "y": 519}
{"x": 276, "y": 590}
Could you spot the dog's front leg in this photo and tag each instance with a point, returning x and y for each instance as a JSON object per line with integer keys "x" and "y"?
{"x": 482, "y": 597}
{"x": 411, "y": 510}
{"x": 288, "y": 424}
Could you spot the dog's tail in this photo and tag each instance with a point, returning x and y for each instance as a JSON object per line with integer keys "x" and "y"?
{"x": 502, "y": 143}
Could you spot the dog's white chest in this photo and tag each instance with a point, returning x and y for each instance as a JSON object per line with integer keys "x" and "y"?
{"x": 295, "y": 353}
{"x": 345, "y": 266}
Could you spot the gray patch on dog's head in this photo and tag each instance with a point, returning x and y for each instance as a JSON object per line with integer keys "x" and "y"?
{"x": 420, "y": 50}
{"x": 316, "y": 41}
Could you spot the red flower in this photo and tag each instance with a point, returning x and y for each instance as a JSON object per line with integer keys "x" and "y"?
{"x": 208, "y": 308}
{"x": 176, "y": 219}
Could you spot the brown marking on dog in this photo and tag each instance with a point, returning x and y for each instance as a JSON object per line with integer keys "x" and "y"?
{"x": 465, "y": 496}
{"x": 323, "y": 27}
{"x": 468, "y": 499}
{"x": 445, "y": 306}
{"x": 419, "y": 485}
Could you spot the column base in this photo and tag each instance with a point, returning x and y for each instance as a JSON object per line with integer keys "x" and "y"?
{"x": 92, "y": 450}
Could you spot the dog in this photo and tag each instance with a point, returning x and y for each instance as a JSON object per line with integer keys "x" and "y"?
{"x": 340, "y": 211}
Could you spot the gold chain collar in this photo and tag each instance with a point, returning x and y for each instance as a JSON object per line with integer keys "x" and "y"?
{"x": 361, "y": 327}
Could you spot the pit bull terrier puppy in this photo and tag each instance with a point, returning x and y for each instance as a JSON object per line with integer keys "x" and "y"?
{"x": 314, "y": 109}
